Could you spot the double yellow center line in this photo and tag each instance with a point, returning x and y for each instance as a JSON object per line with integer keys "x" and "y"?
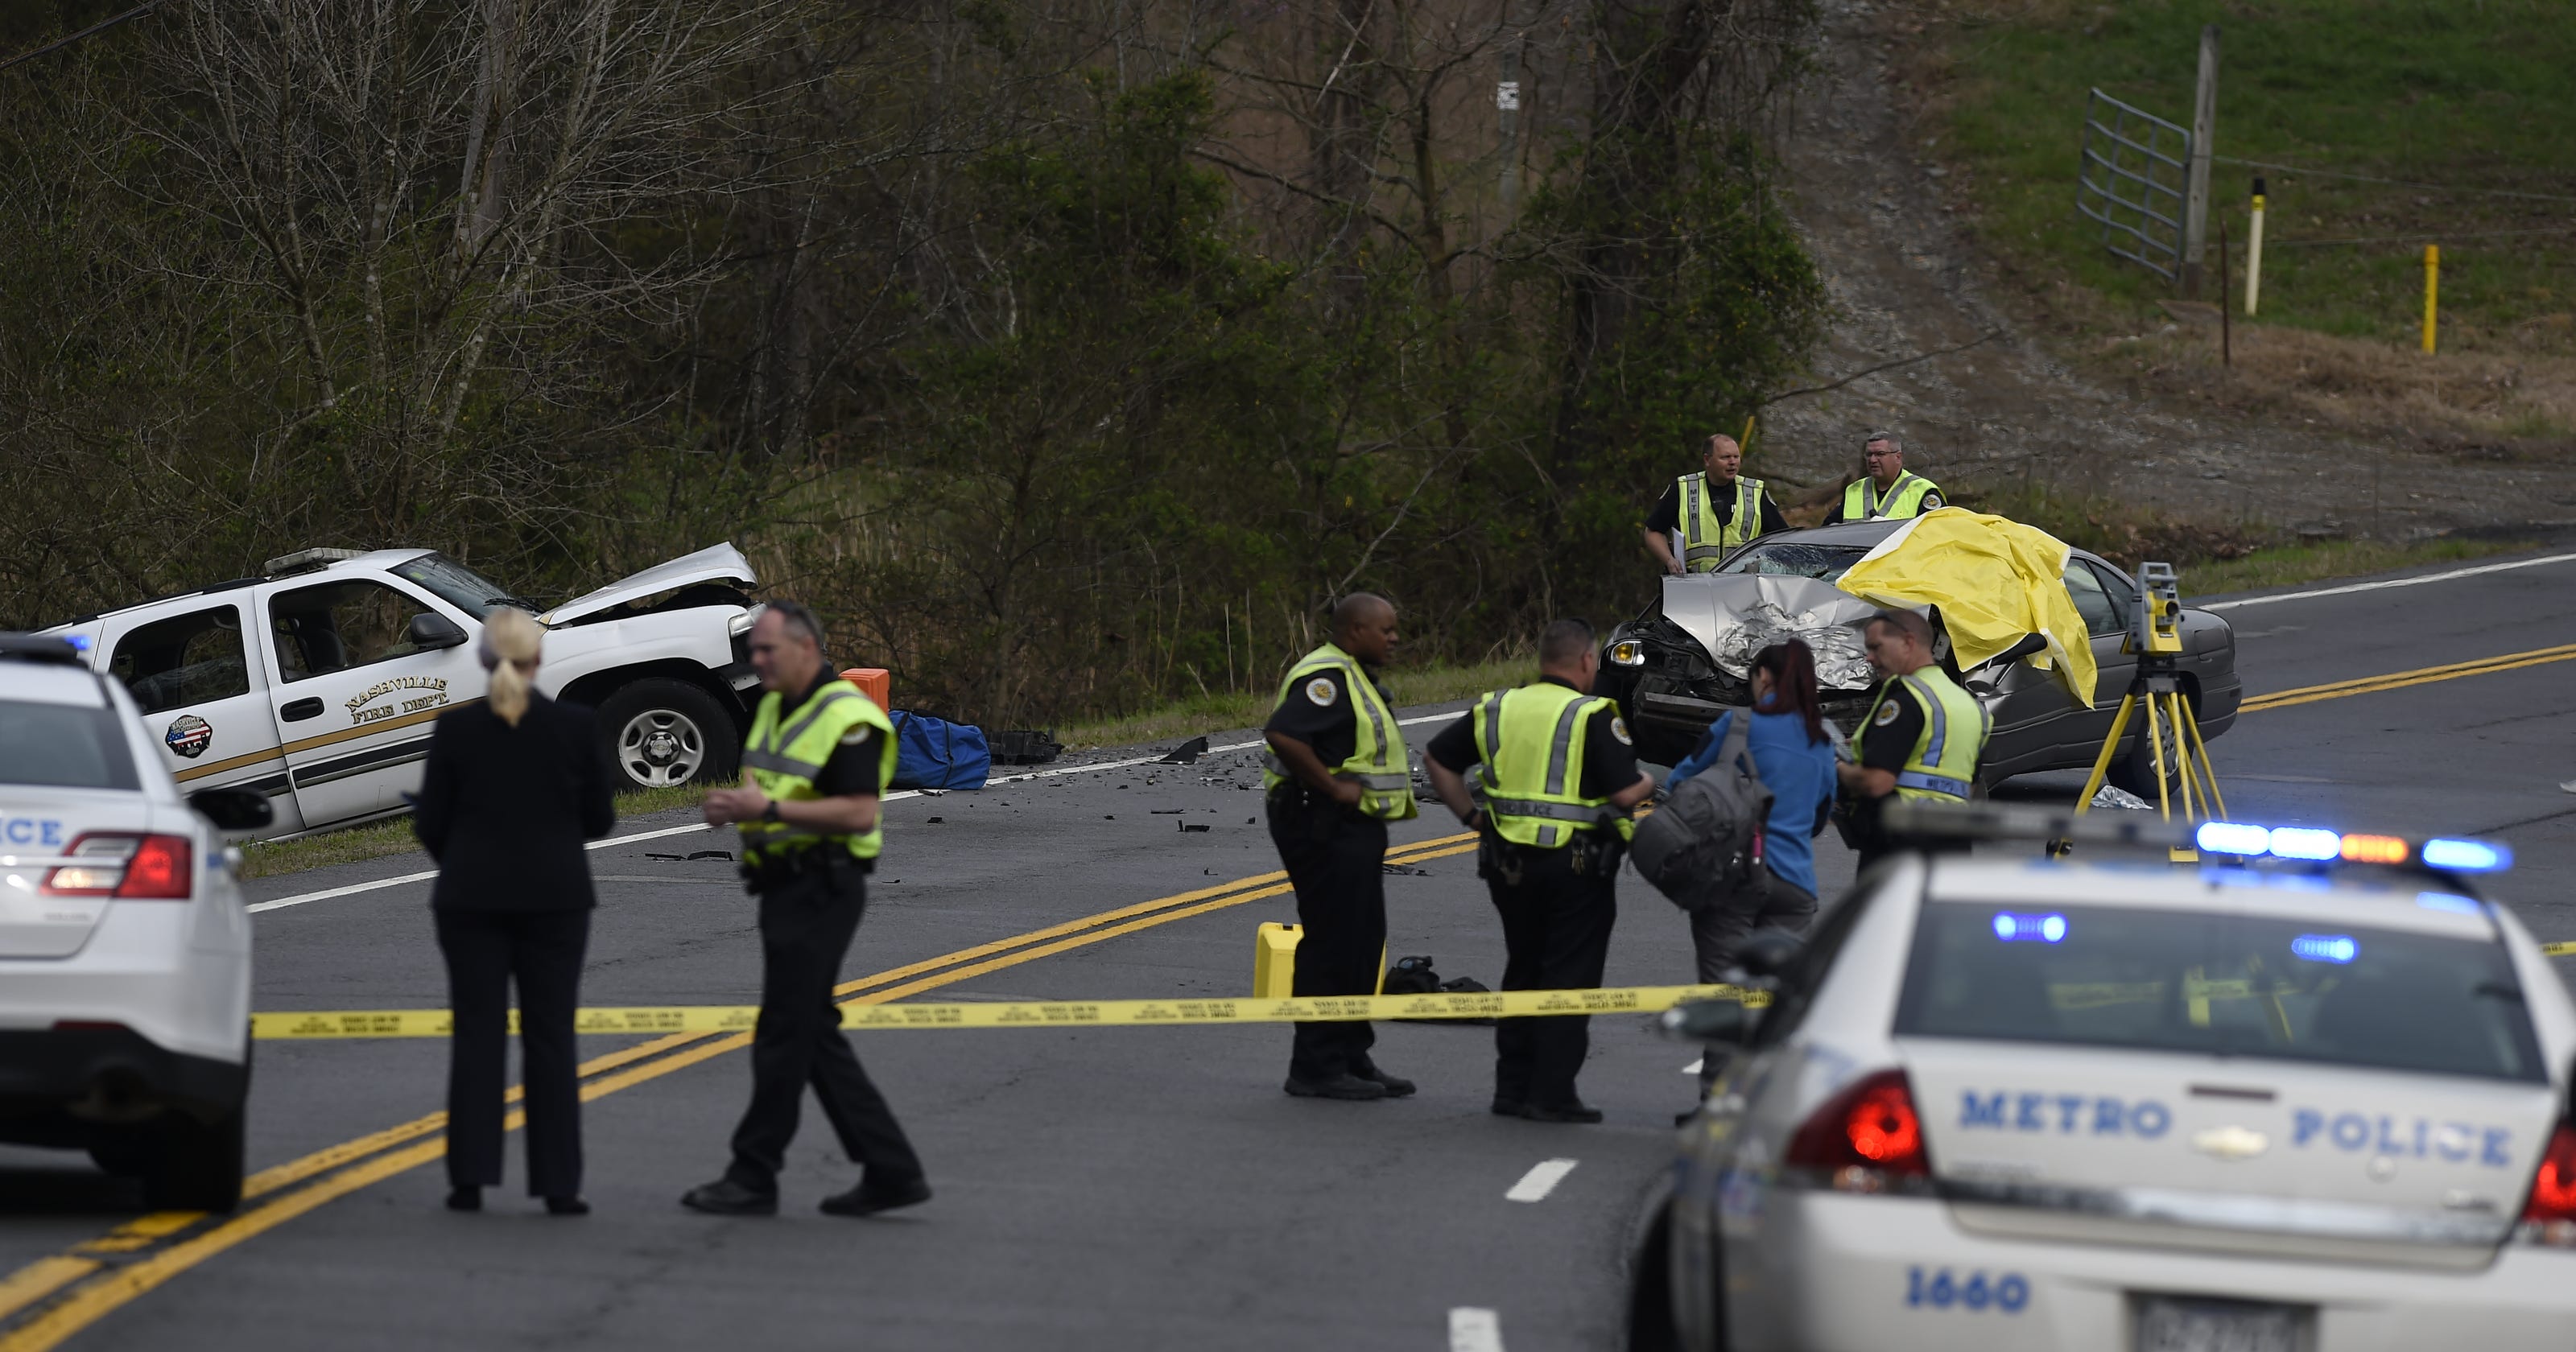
{"x": 53, "y": 1298}
{"x": 2398, "y": 680}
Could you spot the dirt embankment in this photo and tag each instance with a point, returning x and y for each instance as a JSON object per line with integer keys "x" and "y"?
{"x": 2303, "y": 434}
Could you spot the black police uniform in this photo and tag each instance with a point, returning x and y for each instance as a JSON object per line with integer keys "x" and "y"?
{"x": 810, "y": 904}
{"x": 1336, "y": 861}
{"x": 1557, "y": 908}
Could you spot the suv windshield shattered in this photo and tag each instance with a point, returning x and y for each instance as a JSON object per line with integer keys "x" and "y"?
{"x": 1824, "y": 563}
{"x": 458, "y": 585}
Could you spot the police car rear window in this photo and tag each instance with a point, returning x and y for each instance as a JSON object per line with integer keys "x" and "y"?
{"x": 63, "y": 746}
{"x": 2225, "y": 985}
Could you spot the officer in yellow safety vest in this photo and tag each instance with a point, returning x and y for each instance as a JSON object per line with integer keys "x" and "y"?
{"x": 1886, "y": 490}
{"x": 1335, "y": 775}
{"x": 1712, "y": 511}
{"x": 819, "y": 757}
{"x": 1554, "y": 777}
{"x": 1922, "y": 738}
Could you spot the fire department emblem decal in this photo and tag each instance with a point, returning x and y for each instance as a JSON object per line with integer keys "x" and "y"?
{"x": 189, "y": 736}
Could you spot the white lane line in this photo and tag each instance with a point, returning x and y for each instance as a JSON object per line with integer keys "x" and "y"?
{"x": 2390, "y": 582}
{"x": 378, "y": 884}
{"x": 1540, "y": 1181}
{"x": 1473, "y": 1329}
{"x": 1693, "y": 1067}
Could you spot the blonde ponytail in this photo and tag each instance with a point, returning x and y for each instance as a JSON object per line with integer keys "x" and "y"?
{"x": 510, "y": 644}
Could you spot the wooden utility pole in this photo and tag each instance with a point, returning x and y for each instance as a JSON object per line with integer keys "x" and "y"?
{"x": 1507, "y": 107}
{"x": 2195, "y": 202}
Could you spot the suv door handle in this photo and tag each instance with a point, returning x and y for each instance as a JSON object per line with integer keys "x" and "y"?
{"x": 296, "y": 711}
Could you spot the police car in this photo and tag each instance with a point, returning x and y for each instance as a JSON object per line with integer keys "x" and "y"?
{"x": 124, "y": 948}
{"x": 2310, "y": 1095}
{"x": 316, "y": 682}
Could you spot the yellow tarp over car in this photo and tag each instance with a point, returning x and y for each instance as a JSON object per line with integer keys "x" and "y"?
{"x": 1996, "y": 581}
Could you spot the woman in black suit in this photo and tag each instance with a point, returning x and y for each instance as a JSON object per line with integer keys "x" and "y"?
{"x": 515, "y": 784}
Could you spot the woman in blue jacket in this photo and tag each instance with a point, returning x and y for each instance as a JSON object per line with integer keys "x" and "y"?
{"x": 1793, "y": 750}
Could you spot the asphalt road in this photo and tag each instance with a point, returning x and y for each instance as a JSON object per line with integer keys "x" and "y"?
{"x": 1112, "y": 1188}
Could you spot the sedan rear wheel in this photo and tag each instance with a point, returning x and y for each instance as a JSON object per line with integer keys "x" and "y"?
{"x": 195, "y": 1166}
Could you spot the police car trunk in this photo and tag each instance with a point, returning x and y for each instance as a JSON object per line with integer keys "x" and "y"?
{"x": 2250, "y": 1064}
{"x": 75, "y": 832}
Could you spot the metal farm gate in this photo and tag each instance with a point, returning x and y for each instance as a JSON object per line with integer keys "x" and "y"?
{"x": 2135, "y": 167}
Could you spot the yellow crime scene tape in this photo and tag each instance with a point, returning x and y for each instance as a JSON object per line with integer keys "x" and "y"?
{"x": 2559, "y": 950}
{"x": 372, "y": 1023}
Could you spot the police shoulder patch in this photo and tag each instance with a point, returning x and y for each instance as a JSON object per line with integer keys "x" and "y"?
{"x": 856, "y": 735}
{"x": 1619, "y": 729}
{"x": 1322, "y": 691}
{"x": 1886, "y": 713}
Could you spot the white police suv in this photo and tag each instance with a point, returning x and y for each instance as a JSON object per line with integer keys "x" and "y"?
{"x": 2308, "y": 1095}
{"x": 124, "y": 947}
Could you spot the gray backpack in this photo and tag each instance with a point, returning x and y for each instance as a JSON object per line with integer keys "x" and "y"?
{"x": 1704, "y": 842}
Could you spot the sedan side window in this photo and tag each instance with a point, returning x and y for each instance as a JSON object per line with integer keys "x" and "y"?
{"x": 2091, "y": 602}
{"x": 2122, "y": 591}
{"x": 340, "y": 625}
{"x": 195, "y": 658}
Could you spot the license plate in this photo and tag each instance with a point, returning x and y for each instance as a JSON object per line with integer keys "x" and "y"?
{"x": 2166, "y": 1324}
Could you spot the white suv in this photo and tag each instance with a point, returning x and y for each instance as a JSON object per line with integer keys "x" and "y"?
{"x": 316, "y": 683}
{"x": 124, "y": 948}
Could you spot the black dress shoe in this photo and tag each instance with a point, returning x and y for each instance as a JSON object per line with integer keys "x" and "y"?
{"x": 1342, "y": 1086}
{"x": 465, "y": 1198}
{"x": 724, "y": 1197}
{"x": 869, "y": 1198}
{"x": 1504, "y": 1107}
{"x": 567, "y": 1206}
{"x": 1575, "y": 1111}
{"x": 1394, "y": 1087}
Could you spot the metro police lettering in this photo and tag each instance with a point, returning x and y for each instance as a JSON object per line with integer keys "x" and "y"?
{"x": 30, "y": 831}
{"x": 2422, "y": 1138}
{"x": 2064, "y": 1114}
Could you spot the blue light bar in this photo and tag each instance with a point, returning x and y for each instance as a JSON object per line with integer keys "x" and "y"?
{"x": 2233, "y": 838}
{"x": 2466, "y": 856}
{"x": 2326, "y": 947}
{"x": 2046, "y": 929}
{"x": 2449, "y": 901}
{"x": 79, "y": 642}
{"x": 2305, "y": 842}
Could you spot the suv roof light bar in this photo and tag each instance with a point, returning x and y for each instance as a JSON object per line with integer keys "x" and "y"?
{"x": 306, "y": 560}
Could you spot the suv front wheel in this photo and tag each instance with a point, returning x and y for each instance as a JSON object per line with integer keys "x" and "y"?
{"x": 662, "y": 732}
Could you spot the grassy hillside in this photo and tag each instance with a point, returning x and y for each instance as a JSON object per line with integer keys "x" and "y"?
{"x": 2468, "y": 94}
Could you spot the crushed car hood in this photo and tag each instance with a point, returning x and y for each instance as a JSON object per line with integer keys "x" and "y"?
{"x": 717, "y": 563}
{"x": 1735, "y": 615}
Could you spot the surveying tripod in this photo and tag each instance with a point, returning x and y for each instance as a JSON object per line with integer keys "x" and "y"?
{"x": 2155, "y": 637}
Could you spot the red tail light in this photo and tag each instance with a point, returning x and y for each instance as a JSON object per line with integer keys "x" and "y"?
{"x": 2550, "y": 1215}
{"x": 162, "y": 869}
{"x": 136, "y": 868}
{"x": 1864, "y": 1136}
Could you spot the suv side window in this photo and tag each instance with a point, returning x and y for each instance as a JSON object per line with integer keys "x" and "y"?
{"x": 196, "y": 658}
{"x": 1798, "y": 984}
{"x": 2101, "y": 619}
{"x": 339, "y": 625}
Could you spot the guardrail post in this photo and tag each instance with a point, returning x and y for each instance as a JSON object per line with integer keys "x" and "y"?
{"x": 2432, "y": 283}
{"x": 2195, "y": 207}
{"x": 2254, "y": 254}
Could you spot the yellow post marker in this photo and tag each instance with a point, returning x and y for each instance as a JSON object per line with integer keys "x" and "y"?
{"x": 2432, "y": 286}
{"x": 2254, "y": 254}
{"x": 1274, "y": 961}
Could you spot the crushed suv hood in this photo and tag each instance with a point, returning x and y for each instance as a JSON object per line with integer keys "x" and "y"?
{"x": 1735, "y": 615}
{"x": 717, "y": 563}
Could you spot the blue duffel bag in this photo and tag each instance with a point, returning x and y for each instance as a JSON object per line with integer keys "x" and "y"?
{"x": 932, "y": 753}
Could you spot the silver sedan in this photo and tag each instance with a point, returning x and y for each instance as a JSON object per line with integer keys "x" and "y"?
{"x": 1682, "y": 661}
